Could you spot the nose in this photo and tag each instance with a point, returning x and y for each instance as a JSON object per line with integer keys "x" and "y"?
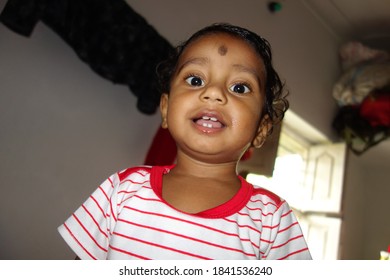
{"x": 214, "y": 94}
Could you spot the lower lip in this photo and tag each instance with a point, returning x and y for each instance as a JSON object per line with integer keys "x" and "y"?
{"x": 207, "y": 130}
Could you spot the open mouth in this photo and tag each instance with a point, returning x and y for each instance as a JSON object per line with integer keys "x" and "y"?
{"x": 209, "y": 122}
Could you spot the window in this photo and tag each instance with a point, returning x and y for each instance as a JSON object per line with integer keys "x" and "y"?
{"x": 308, "y": 173}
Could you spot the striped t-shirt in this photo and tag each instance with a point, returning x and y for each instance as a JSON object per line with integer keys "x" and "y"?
{"x": 127, "y": 218}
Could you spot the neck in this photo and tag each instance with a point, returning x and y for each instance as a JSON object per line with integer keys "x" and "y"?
{"x": 203, "y": 170}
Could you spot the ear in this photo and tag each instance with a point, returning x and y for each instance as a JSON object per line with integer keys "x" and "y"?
{"x": 164, "y": 110}
{"x": 262, "y": 131}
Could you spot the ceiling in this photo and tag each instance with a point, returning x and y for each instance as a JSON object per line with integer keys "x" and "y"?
{"x": 367, "y": 21}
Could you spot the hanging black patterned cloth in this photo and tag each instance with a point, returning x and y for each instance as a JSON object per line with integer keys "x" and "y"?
{"x": 115, "y": 41}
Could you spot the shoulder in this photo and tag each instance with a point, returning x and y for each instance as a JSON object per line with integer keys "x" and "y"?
{"x": 127, "y": 178}
{"x": 132, "y": 178}
{"x": 124, "y": 184}
{"x": 266, "y": 197}
{"x": 136, "y": 173}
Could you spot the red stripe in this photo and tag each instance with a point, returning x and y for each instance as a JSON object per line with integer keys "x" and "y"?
{"x": 161, "y": 246}
{"x": 288, "y": 241}
{"x": 246, "y": 214}
{"x": 98, "y": 205}
{"x": 265, "y": 240}
{"x": 200, "y": 225}
{"x": 89, "y": 234}
{"x": 293, "y": 253}
{"x": 108, "y": 199}
{"x": 101, "y": 189}
{"x": 134, "y": 182}
{"x": 112, "y": 211}
{"x": 125, "y": 173}
{"x": 279, "y": 206}
{"x": 126, "y": 196}
{"x": 191, "y": 238}
{"x": 147, "y": 199}
{"x": 271, "y": 227}
{"x": 261, "y": 210}
{"x": 276, "y": 199}
{"x": 124, "y": 200}
{"x": 181, "y": 220}
{"x": 243, "y": 226}
{"x": 262, "y": 202}
{"x": 255, "y": 209}
{"x": 112, "y": 184}
{"x": 127, "y": 192}
{"x": 275, "y": 226}
{"x": 285, "y": 214}
{"x": 78, "y": 242}
{"x": 291, "y": 225}
{"x": 128, "y": 253}
{"x": 93, "y": 219}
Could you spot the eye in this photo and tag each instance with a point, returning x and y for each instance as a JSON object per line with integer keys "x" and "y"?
{"x": 194, "y": 81}
{"x": 240, "y": 88}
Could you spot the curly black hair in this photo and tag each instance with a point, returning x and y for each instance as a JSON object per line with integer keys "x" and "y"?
{"x": 276, "y": 103}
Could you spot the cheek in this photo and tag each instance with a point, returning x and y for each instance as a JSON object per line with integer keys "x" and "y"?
{"x": 248, "y": 114}
{"x": 246, "y": 121}
{"x": 176, "y": 111}
{"x": 245, "y": 125}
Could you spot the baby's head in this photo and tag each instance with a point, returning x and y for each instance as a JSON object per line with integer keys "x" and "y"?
{"x": 275, "y": 104}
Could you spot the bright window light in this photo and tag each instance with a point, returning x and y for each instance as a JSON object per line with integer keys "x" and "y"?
{"x": 287, "y": 177}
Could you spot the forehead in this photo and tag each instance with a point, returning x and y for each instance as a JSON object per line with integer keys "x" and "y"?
{"x": 223, "y": 44}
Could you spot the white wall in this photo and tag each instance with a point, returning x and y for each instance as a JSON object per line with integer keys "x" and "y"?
{"x": 366, "y": 229}
{"x": 352, "y": 229}
{"x": 64, "y": 129}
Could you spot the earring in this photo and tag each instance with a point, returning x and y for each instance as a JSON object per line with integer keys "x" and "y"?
{"x": 164, "y": 123}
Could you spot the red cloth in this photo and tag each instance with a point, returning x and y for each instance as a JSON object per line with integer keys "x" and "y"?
{"x": 162, "y": 150}
{"x": 375, "y": 109}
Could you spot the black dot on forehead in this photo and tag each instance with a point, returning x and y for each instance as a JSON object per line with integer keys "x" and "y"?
{"x": 222, "y": 50}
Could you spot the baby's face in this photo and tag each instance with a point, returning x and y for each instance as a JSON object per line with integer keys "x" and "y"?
{"x": 214, "y": 108}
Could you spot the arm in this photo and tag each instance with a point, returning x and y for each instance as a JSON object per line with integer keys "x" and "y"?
{"x": 288, "y": 242}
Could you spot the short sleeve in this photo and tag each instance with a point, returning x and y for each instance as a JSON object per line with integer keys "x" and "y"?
{"x": 89, "y": 228}
{"x": 287, "y": 240}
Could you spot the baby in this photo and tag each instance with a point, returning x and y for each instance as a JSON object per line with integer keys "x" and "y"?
{"x": 220, "y": 96}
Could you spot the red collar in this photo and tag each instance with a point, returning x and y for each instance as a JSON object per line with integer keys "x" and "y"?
{"x": 226, "y": 209}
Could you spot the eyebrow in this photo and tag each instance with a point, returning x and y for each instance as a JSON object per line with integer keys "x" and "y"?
{"x": 251, "y": 71}
{"x": 196, "y": 60}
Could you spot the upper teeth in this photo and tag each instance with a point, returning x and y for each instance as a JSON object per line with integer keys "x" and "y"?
{"x": 210, "y": 118}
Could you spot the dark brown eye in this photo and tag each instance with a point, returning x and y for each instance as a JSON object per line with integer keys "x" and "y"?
{"x": 195, "y": 81}
{"x": 240, "y": 88}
